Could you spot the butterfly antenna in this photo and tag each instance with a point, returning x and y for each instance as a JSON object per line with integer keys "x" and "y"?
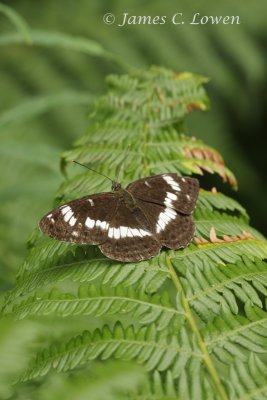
{"x": 91, "y": 169}
{"x": 126, "y": 152}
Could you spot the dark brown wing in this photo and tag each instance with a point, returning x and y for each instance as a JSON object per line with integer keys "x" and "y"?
{"x": 85, "y": 220}
{"x": 130, "y": 236}
{"x": 169, "y": 190}
{"x": 171, "y": 228}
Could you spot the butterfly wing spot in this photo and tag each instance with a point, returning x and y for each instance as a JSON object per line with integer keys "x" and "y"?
{"x": 104, "y": 225}
{"x": 169, "y": 199}
{"x": 139, "y": 232}
{"x": 75, "y": 233}
{"x": 133, "y": 232}
{"x": 164, "y": 218}
{"x": 68, "y": 216}
{"x": 174, "y": 185}
{"x": 171, "y": 196}
{"x": 170, "y": 213}
{"x": 129, "y": 233}
{"x": 168, "y": 202}
{"x": 65, "y": 209}
{"x": 160, "y": 225}
{"x": 50, "y": 218}
{"x": 72, "y": 221}
{"x": 188, "y": 197}
{"x": 117, "y": 233}
{"x": 110, "y": 232}
{"x": 91, "y": 202}
{"x": 90, "y": 223}
{"x": 147, "y": 184}
{"x": 144, "y": 233}
{"x": 125, "y": 232}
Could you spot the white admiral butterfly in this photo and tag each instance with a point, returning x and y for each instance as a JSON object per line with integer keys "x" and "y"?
{"x": 130, "y": 224}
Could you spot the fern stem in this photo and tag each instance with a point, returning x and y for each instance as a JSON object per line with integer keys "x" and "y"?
{"x": 209, "y": 364}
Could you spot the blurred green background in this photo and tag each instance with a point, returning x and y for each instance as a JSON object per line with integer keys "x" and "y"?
{"x": 46, "y": 92}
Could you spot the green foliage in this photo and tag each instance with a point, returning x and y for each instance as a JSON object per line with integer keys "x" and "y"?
{"x": 59, "y": 40}
{"x": 109, "y": 381}
{"x": 194, "y": 318}
{"x": 20, "y": 24}
{"x": 15, "y": 343}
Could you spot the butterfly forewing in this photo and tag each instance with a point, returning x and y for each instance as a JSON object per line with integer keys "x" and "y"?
{"x": 85, "y": 220}
{"x": 169, "y": 190}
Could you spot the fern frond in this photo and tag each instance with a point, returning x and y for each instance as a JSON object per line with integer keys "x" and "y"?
{"x": 248, "y": 379}
{"x": 168, "y": 156}
{"x": 218, "y": 201}
{"x": 146, "y": 345}
{"x": 196, "y": 256}
{"x": 168, "y": 388}
{"x": 235, "y": 335}
{"x": 92, "y": 300}
{"x": 209, "y": 288}
{"x": 60, "y": 261}
{"x": 180, "y": 94}
{"x": 157, "y": 388}
{"x": 225, "y": 224}
{"x": 134, "y": 121}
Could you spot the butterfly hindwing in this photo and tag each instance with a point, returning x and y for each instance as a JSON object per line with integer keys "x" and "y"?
{"x": 173, "y": 229}
{"x": 130, "y": 236}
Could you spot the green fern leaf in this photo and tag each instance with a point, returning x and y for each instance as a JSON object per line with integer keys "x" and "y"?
{"x": 146, "y": 346}
{"x": 91, "y": 300}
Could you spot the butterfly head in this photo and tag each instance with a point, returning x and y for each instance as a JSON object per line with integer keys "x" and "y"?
{"x": 115, "y": 186}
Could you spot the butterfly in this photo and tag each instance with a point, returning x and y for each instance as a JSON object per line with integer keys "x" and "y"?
{"x": 131, "y": 224}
